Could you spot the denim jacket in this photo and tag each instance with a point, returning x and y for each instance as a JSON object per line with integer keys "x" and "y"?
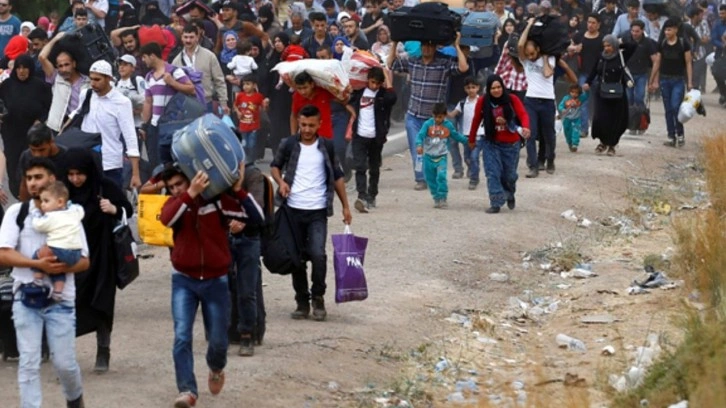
{"x": 287, "y": 158}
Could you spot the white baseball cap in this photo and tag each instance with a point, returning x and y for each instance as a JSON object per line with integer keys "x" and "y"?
{"x": 101, "y": 67}
{"x": 129, "y": 59}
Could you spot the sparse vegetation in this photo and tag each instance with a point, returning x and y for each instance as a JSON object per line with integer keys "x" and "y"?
{"x": 696, "y": 369}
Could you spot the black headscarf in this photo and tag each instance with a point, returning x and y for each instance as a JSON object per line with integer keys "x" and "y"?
{"x": 276, "y": 56}
{"x": 152, "y": 14}
{"x": 87, "y": 195}
{"x": 25, "y": 61}
{"x": 491, "y": 102}
{"x": 267, "y": 12}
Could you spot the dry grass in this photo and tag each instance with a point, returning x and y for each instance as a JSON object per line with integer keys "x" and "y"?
{"x": 696, "y": 369}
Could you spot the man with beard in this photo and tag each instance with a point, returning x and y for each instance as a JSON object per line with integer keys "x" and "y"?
{"x": 126, "y": 40}
{"x": 38, "y": 39}
{"x": 67, "y": 82}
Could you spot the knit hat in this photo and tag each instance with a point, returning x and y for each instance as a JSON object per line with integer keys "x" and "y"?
{"x": 17, "y": 45}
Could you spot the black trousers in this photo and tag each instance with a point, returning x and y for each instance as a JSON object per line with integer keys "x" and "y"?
{"x": 367, "y": 158}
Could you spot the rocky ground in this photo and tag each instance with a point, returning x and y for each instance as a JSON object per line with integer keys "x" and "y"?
{"x": 452, "y": 296}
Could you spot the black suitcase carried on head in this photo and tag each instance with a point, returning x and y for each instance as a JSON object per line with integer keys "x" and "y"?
{"x": 426, "y": 22}
{"x": 550, "y": 34}
{"x": 87, "y": 45}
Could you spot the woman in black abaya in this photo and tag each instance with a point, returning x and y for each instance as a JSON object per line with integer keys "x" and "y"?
{"x": 103, "y": 202}
{"x": 280, "y": 99}
{"x": 610, "y": 118}
{"x": 27, "y": 100}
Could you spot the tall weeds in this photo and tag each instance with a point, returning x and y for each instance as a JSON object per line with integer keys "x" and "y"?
{"x": 696, "y": 369}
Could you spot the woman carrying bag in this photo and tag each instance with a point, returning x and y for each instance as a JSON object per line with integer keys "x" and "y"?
{"x": 103, "y": 203}
{"x": 610, "y": 118}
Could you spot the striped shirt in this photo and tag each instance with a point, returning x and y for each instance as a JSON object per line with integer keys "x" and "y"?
{"x": 160, "y": 92}
{"x": 429, "y": 82}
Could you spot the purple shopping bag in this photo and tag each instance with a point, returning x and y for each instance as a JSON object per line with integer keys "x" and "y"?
{"x": 349, "y": 253}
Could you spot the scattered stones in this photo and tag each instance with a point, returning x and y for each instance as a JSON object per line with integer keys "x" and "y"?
{"x": 498, "y": 277}
{"x": 598, "y": 319}
{"x": 570, "y": 343}
{"x": 573, "y": 380}
{"x": 608, "y": 351}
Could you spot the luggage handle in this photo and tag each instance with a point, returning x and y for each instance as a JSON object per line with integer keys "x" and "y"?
{"x": 416, "y": 24}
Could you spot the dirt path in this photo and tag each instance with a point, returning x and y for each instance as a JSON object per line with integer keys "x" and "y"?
{"x": 422, "y": 263}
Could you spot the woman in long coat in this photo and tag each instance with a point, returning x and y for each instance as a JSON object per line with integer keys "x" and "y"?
{"x": 610, "y": 118}
{"x": 103, "y": 203}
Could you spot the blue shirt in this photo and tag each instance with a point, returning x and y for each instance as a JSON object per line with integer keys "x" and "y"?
{"x": 8, "y": 29}
{"x": 716, "y": 33}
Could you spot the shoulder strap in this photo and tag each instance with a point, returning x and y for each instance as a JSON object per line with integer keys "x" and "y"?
{"x": 134, "y": 83}
{"x": 22, "y": 215}
{"x": 86, "y": 107}
{"x": 626, "y": 70}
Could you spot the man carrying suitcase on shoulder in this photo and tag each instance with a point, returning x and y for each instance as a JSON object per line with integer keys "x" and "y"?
{"x": 430, "y": 76}
{"x": 200, "y": 263}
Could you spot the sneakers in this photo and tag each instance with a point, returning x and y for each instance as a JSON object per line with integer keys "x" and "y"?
{"x": 680, "y": 140}
{"x": 185, "y": 400}
{"x": 533, "y": 173}
{"x": 473, "y": 184}
{"x": 215, "y": 382}
{"x": 76, "y": 403}
{"x": 319, "y": 312}
{"x": 550, "y": 167}
{"x": 103, "y": 355}
{"x": 302, "y": 311}
{"x": 437, "y": 203}
{"x": 492, "y": 210}
{"x": 442, "y": 204}
{"x": 457, "y": 175}
{"x": 246, "y": 346}
{"x": 611, "y": 151}
{"x": 360, "y": 205}
{"x": 420, "y": 185}
{"x": 600, "y": 148}
{"x": 671, "y": 142}
{"x": 371, "y": 203}
{"x": 540, "y": 165}
{"x": 573, "y": 149}
{"x": 511, "y": 203}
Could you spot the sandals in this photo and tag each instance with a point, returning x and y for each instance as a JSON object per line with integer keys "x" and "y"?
{"x": 600, "y": 148}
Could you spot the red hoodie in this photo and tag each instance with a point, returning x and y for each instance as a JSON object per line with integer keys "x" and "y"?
{"x": 200, "y": 248}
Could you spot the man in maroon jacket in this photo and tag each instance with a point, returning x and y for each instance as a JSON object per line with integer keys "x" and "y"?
{"x": 200, "y": 260}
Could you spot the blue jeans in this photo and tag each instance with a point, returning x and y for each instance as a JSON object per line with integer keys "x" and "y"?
{"x": 672, "y": 90}
{"x": 250, "y": 140}
{"x": 157, "y": 153}
{"x": 500, "y": 165}
{"x": 413, "y": 125}
{"x": 474, "y": 156}
{"x": 313, "y": 227}
{"x": 186, "y": 295}
{"x": 246, "y": 259}
{"x": 340, "y": 125}
{"x": 636, "y": 94}
{"x": 585, "y": 108}
{"x": 69, "y": 257}
{"x": 60, "y": 326}
{"x": 435, "y": 170}
{"x": 541, "y": 119}
{"x": 117, "y": 176}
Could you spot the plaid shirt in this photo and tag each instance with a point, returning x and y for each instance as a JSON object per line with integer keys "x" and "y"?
{"x": 703, "y": 30}
{"x": 429, "y": 82}
{"x": 513, "y": 80}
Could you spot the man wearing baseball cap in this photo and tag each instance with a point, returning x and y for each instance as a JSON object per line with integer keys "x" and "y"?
{"x": 112, "y": 116}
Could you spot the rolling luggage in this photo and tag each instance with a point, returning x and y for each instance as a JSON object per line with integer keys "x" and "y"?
{"x": 639, "y": 117}
{"x": 209, "y": 145}
{"x": 426, "y": 22}
{"x": 478, "y": 29}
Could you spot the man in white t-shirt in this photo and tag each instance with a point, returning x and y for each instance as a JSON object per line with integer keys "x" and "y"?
{"x": 312, "y": 174}
{"x": 539, "y": 101}
{"x": 18, "y": 242}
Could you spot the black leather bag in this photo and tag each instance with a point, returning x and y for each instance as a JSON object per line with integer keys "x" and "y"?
{"x": 611, "y": 90}
{"x": 280, "y": 252}
{"x": 127, "y": 262}
{"x": 426, "y": 22}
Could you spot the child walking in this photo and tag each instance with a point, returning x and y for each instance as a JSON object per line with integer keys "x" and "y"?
{"x": 373, "y": 104}
{"x": 465, "y": 109}
{"x": 247, "y": 105}
{"x": 61, "y": 222}
{"x": 432, "y": 143}
{"x": 569, "y": 109}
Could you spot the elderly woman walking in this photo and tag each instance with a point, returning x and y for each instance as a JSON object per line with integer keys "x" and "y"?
{"x": 610, "y": 118}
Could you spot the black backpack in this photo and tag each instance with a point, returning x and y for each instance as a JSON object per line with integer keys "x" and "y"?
{"x": 550, "y": 34}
